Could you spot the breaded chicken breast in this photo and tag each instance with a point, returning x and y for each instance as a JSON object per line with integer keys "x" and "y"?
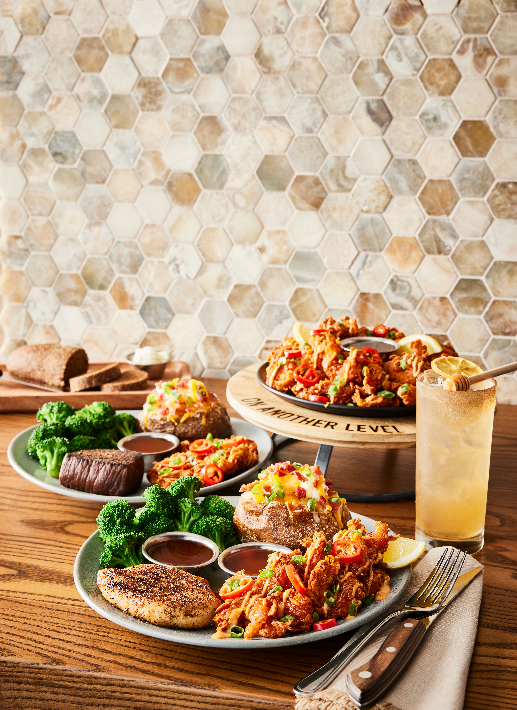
{"x": 164, "y": 596}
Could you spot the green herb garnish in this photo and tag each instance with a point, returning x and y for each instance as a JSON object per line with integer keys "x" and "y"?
{"x": 328, "y": 548}
{"x": 282, "y": 360}
{"x": 278, "y": 588}
{"x": 368, "y": 600}
{"x": 332, "y": 390}
{"x": 298, "y": 559}
{"x": 257, "y": 489}
{"x": 330, "y": 598}
{"x": 266, "y": 573}
{"x": 311, "y": 505}
{"x": 210, "y": 437}
{"x": 404, "y": 387}
{"x": 403, "y": 364}
{"x": 386, "y": 394}
{"x": 286, "y": 618}
{"x": 236, "y": 632}
{"x": 352, "y": 609}
{"x": 315, "y": 616}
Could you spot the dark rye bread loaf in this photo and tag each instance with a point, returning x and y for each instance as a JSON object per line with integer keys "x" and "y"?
{"x": 94, "y": 378}
{"x": 48, "y": 364}
{"x": 103, "y": 471}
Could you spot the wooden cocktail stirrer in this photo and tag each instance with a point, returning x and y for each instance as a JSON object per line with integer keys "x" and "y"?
{"x": 462, "y": 383}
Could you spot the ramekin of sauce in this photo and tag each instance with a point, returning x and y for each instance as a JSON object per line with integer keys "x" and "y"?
{"x": 181, "y": 550}
{"x": 153, "y": 446}
{"x": 248, "y": 556}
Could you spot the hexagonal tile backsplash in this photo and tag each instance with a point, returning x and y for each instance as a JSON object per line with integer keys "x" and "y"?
{"x": 197, "y": 174}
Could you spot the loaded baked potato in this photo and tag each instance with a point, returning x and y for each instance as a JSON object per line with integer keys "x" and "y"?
{"x": 288, "y": 503}
{"x": 186, "y": 410}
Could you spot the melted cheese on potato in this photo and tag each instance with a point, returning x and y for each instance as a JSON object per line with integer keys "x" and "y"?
{"x": 302, "y": 484}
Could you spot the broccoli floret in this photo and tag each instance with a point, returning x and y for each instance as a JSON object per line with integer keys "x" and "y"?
{"x": 81, "y": 443}
{"x": 79, "y": 425}
{"x": 42, "y": 432}
{"x": 51, "y": 453}
{"x": 215, "y": 505}
{"x": 99, "y": 414}
{"x": 124, "y": 424}
{"x": 188, "y": 513}
{"x": 55, "y": 412}
{"x": 158, "y": 515}
{"x": 185, "y": 487}
{"x": 116, "y": 518}
{"x": 231, "y": 539}
{"x": 159, "y": 500}
{"x": 106, "y": 440}
{"x": 157, "y": 524}
{"x": 220, "y": 530}
{"x": 122, "y": 551}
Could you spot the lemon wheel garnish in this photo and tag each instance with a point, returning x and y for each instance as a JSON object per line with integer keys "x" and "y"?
{"x": 402, "y": 552}
{"x": 448, "y": 366}
{"x": 301, "y": 333}
{"x": 404, "y": 344}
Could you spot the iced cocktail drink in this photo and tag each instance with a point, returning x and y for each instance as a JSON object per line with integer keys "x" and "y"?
{"x": 454, "y": 438}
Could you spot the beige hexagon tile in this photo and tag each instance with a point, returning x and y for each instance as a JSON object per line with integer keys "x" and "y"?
{"x": 474, "y": 98}
{"x": 404, "y": 137}
{"x": 436, "y": 275}
{"x": 404, "y": 216}
{"x": 438, "y": 158}
{"x": 371, "y": 156}
{"x": 472, "y": 218}
{"x": 275, "y": 247}
{"x": 244, "y": 227}
{"x": 371, "y": 195}
{"x": 501, "y": 239}
{"x": 370, "y": 308}
{"x": 183, "y": 224}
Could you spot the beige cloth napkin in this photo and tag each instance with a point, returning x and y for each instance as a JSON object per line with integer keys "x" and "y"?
{"x": 437, "y": 674}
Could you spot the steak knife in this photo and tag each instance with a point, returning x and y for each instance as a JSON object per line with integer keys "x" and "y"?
{"x": 367, "y": 683}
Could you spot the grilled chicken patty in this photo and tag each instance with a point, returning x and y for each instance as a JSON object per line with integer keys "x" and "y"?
{"x": 163, "y": 596}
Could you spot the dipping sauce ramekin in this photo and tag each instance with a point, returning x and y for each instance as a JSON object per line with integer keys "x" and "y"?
{"x": 150, "y": 457}
{"x": 186, "y": 550}
{"x": 254, "y": 554}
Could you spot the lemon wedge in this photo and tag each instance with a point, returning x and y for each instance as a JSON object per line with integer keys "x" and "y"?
{"x": 448, "y": 366}
{"x": 404, "y": 344}
{"x": 402, "y": 552}
{"x": 301, "y": 333}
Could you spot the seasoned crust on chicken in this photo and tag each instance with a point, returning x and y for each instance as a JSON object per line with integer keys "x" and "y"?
{"x": 164, "y": 596}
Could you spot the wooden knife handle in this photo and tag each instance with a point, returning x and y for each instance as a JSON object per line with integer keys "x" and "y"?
{"x": 371, "y": 680}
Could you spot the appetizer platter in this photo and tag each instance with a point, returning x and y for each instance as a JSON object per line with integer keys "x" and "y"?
{"x": 329, "y": 583}
{"x": 348, "y": 370}
{"x": 99, "y": 454}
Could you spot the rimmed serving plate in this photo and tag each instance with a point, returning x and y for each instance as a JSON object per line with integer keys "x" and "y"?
{"x": 85, "y": 578}
{"x": 30, "y": 469}
{"x": 340, "y": 409}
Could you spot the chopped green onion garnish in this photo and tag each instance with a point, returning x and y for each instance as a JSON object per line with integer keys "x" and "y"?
{"x": 350, "y": 404}
{"x": 386, "y": 394}
{"x": 330, "y": 598}
{"x": 218, "y": 443}
{"x": 404, "y": 387}
{"x": 166, "y": 389}
{"x": 297, "y": 465}
{"x": 364, "y": 371}
{"x": 286, "y": 618}
{"x": 298, "y": 559}
{"x": 369, "y": 332}
{"x": 352, "y": 609}
{"x": 357, "y": 533}
{"x": 236, "y": 632}
{"x": 151, "y": 399}
{"x": 175, "y": 395}
{"x": 278, "y": 588}
{"x": 163, "y": 471}
{"x": 176, "y": 461}
{"x": 340, "y": 357}
{"x": 235, "y": 584}
{"x": 403, "y": 364}
{"x": 266, "y": 573}
{"x": 257, "y": 489}
{"x": 332, "y": 390}
{"x": 328, "y": 548}
{"x": 315, "y": 616}
{"x": 391, "y": 334}
{"x": 282, "y": 360}
{"x": 334, "y": 500}
{"x": 311, "y": 505}
{"x": 368, "y": 600}
{"x": 209, "y": 437}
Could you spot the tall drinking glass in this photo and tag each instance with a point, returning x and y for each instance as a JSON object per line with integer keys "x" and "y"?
{"x": 453, "y": 442}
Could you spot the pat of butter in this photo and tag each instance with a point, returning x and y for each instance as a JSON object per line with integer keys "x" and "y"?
{"x": 150, "y": 356}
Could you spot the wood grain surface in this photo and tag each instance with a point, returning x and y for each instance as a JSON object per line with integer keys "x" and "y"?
{"x": 57, "y": 653}
{"x": 269, "y": 411}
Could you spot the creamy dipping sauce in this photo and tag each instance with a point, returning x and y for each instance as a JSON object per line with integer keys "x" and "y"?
{"x": 181, "y": 553}
{"x": 251, "y": 560}
{"x": 148, "y": 445}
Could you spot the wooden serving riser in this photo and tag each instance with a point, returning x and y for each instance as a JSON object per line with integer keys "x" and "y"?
{"x": 269, "y": 411}
{"x": 16, "y": 396}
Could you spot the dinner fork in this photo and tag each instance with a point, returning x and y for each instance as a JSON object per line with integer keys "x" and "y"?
{"x": 428, "y": 600}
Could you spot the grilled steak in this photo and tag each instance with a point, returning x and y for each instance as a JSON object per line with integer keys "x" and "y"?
{"x": 164, "y": 596}
{"x": 103, "y": 471}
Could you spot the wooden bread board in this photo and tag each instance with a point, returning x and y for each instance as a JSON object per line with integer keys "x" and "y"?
{"x": 16, "y": 396}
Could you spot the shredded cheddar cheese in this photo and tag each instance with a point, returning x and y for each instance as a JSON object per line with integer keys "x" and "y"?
{"x": 176, "y": 401}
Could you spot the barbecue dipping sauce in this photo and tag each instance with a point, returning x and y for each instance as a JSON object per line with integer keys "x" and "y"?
{"x": 184, "y": 553}
{"x": 251, "y": 560}
{"x": 148, "y": 445}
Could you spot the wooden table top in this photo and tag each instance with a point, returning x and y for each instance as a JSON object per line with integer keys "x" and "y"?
{"x": 56, "y": 652}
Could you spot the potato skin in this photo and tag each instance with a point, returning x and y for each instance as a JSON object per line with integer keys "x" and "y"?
{"x": 217, "y": 423}
{"x": 272, "y": 523}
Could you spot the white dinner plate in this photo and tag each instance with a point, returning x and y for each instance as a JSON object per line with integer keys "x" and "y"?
{"x": 85, "y": 578}
{"x": 30, "y": 469}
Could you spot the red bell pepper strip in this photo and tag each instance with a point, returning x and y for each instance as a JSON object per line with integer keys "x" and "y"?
{"x": 318, "y": 331}
{"x": 227, "y": 591}
{"x": 369, "y": 356}
{"x": 293, "y": 353}
{"x": 201, "y": 447}
{"x": 212, "y": 474}
{"x": 306, "y": 375}
{"x": 322, "y": 625}
{"x": 295, "y": 579}
{"x": 318, "y": 398}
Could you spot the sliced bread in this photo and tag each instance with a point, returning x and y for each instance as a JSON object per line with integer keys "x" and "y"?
{"x": 128, "y": 380}
{"x": 95, "y": 378}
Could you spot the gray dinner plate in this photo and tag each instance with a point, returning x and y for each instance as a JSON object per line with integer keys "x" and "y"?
{"x": 30, "y": 469}
{"x": 85, "y": 578}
